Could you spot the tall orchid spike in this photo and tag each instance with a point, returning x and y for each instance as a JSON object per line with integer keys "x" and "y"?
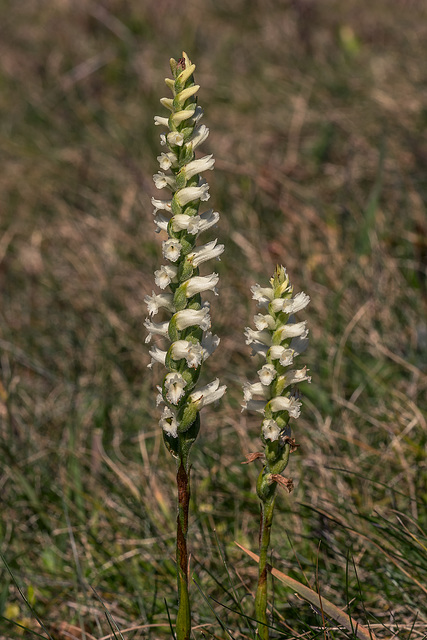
{"x": 187, "y": 329}
{"x": 279, "y": 339}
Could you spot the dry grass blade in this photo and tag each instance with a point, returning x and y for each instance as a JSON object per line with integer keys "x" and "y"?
{"x": 315, "y": 599}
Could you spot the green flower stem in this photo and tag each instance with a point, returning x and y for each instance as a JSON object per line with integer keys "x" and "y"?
{"x": 267, "y": 509}
{"x": 277, "y": 461}
{"x": 183, "y": 621}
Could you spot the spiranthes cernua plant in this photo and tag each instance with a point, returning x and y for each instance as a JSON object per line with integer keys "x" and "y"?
{"x": 279, "y": 340}
{"x": 186, "y": 331}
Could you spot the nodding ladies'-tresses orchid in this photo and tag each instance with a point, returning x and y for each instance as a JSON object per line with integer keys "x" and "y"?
{"x": 178, "y": 215}
{"x": 279, "y": 340}
{"x": 187, "y": 331}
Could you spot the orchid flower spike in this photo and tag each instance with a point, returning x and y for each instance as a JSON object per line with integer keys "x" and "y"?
{"x": 279, "y": 339}
{"x": 187, "y": 329}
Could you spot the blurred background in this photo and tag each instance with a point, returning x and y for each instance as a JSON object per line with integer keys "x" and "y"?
{"x": 317, "y": 113}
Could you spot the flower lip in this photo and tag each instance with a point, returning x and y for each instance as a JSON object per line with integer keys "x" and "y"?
{"x": 168, "y": 422}
{"x": 266, "y": 374}
{"x": 270, "y": 430}
{"x": 175, "y": 138}
{"x": 164, "y": 276}
{"x": 171, "y": 249}
{"x": 193, "y": 353}
{"x": 175, "y": 387}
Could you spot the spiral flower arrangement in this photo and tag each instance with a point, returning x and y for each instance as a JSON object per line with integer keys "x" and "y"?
{"x": 279, "y": 340}
{"x": 188, "y": 328}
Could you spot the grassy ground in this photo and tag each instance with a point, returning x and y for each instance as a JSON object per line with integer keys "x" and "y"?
{"x": 317, "y": 114}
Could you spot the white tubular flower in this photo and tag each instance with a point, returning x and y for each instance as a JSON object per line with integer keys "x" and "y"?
{"x": 159, "y": 301}
{"x": 157, "y": 355}
{"x": 296, "y": 330}
{"x": 208, "y": 394}
{"x": 263, "y": 295}
{"x": 162, "y": 181}
{"x": 197, "y": 166}
{"x": 208, "y": 251}
{"x": 263, "y": 337}
{"x": 279, "y": 341}
{"x": 193, "y": 318}
{"x": 165, "y": 275}
{"x": 174, "y": 385}
{"x": 189, "y": 194}
{"x": 180, "y": 116}
{"x": 270, "y": 430}
{"x": 156, "y": 328}
{"x": 208, "y": 219}
{"x": 289, "y": 404}
{"x": 187, "y": 333}
{"x": 257, "y": 389}
{"x": 293, "y": 376}
{"x": 293, "y": 305}
{"x": 161, "y": 222}
{"x": 197, "y": 284}
{"x": 181, "y": 221}
{"x": 161, "y": 204}
{"x": 266, "y": 374}
{"x": 167, "y": 160}
{"x": 167, "y": 102}
{"x": 168, "y": 422}
{"x": 198, "y": 136}
{"x": 194, "y": 354}
{"x": 264, "y": 321}
{"x": 171, "y": 249}
{"x": 284, "y": 356}
{"x": 175, "y": 138}
{"x": 188, "y": 93}
{"x": 196, "y": 224}
{"x": 162, "y": 121}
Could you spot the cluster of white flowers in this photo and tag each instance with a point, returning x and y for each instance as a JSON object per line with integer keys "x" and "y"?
{"x": 188, "y": 329}
{"x": 279, "y": 339}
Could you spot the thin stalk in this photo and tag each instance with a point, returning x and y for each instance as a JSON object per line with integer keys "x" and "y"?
{"x": 267, "y": 509}
{"x": 183, "y": 620}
